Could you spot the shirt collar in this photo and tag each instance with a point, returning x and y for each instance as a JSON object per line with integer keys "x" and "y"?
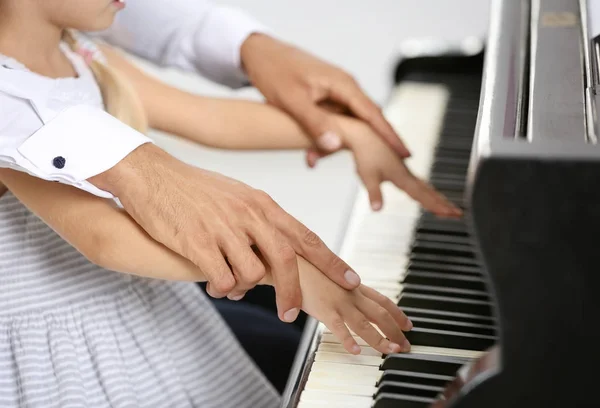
{"x": 18, "y": 81}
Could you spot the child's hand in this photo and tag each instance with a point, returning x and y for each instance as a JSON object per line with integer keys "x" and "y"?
{"x": 376, "y": 163}
{"x": 357, "y": 309}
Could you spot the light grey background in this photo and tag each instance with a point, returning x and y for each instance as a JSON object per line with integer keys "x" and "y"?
{"x": 364, "y": 38}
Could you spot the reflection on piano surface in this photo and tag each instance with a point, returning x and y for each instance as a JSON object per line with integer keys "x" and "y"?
{"x": 498, "y": 304}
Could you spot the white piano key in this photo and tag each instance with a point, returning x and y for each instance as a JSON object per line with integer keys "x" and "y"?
{"x": 330, "y": 338}
{"x": 439, "y": 351}
{"x": 314, "y": 398}
{"x": 347, "y": 358}
{"x": 338, "y": 348}
{"x": 338, "y": 370}
{"x": 342, "y": 377}
{"x": 343, "y": 387}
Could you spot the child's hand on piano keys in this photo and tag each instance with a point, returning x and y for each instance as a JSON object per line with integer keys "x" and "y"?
{"x": 376, "y": 162}
{"x": 357, "y": 309}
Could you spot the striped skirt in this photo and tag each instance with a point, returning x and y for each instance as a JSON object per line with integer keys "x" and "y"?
{"x": 75, "y": 335}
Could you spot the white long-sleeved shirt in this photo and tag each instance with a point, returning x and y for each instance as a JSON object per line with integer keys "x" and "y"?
{"x": 195, "y": 35}
{"x": 43, "y": 138}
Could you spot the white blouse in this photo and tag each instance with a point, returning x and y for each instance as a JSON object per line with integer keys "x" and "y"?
{"x": 57, "y": 129}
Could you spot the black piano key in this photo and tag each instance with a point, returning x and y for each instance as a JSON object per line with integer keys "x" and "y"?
{"x": 432, "y": 217}
{"x": 407, "y": 388}
{"x": 457, "y": 177}
{"x": 468, "y": 306}
{"x": 449, "y": 339}
{"x": 404, "y": 401}
{"x": 456, "y": 143}
{"x": 447, "y": 185}
{"x": 451, "y": 280}
{"x": 442, "y": 248}
{"x": 440, "y": 258}
{"x": 441, "y": 228}
{"x": 445, "y": 291}
{"x": 454, "y": 325}
{"x": 439, "y": 237}
{"x": 421, "y": 363}
{"x": 412, "y": 312}
{"x": 439, "y": 267}
{"x": 415, "y": 377}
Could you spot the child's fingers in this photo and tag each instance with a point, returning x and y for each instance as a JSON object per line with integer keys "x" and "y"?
{"x": 372, "y": 182}
{"x": 359, "y": 323}
{"x": 397, "y": 314}
{"x": 313, "y": 156}
{"x": 422, "y": 192}
{"x": 338, "y": 328}
{"x": 384, "y": 320}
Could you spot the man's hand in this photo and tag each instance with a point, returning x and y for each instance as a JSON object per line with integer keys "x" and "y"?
{"x": 302, "y": 84}
{"x": 214, "y": 221}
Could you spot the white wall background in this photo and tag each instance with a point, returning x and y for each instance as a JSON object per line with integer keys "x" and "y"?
{"x": 359, "y": 35}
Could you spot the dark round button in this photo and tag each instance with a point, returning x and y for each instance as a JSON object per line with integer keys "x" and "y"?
{"x": 59, "y": 162}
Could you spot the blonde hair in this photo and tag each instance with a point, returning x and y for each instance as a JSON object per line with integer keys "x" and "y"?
{"x": 120, "y": 98}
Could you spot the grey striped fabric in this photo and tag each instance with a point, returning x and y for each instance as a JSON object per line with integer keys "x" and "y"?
{"x": 75, "y": 335}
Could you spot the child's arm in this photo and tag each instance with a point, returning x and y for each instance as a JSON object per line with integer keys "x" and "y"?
{"x": 236, "y": 124}
{"x": 97, "y": 228}
{"x": 220, "y": 123}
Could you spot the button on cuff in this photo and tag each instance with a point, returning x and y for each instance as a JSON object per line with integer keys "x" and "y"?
{"x": 59, "y": 162}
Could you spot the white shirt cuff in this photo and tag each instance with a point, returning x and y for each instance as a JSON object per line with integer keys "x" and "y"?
{"x": 79, "y": 143}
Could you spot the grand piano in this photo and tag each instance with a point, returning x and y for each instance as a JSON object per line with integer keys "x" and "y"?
{"x": 504, "y": 301}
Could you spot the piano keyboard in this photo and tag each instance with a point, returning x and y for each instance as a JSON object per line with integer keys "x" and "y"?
{"x": 425, "y": 264}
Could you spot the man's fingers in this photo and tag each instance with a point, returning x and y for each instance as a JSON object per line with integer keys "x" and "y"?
{"x": 372, "y": 182}
{"x": 308, "y": 244}
{"x": 247, "y": 268}
{"x": 354, "y": 98}
{"x": 283, "y": 261}
{"x": 218, "y": 274}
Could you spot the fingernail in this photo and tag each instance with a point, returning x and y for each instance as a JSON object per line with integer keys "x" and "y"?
{"x": 352, "y": 278}
{"x": 409, "y": 325}
{"x": 376, "y": 205}
{"x": 393, "y": 348}
{"x": 356, "y": 349}
{"x": 312, "y": 159}
{"x": 291, "y": 315}
{"x": 330, "y": 141}
{"x": 237, "y": 297}
{"x": 406, "y": 345}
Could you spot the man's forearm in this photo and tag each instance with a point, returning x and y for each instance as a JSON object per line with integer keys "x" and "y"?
{"x": 131, "y": 177}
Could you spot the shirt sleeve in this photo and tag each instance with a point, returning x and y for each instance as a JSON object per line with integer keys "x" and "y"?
{"x": 79, "y": 143}
{"x": 194, "y": 35}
